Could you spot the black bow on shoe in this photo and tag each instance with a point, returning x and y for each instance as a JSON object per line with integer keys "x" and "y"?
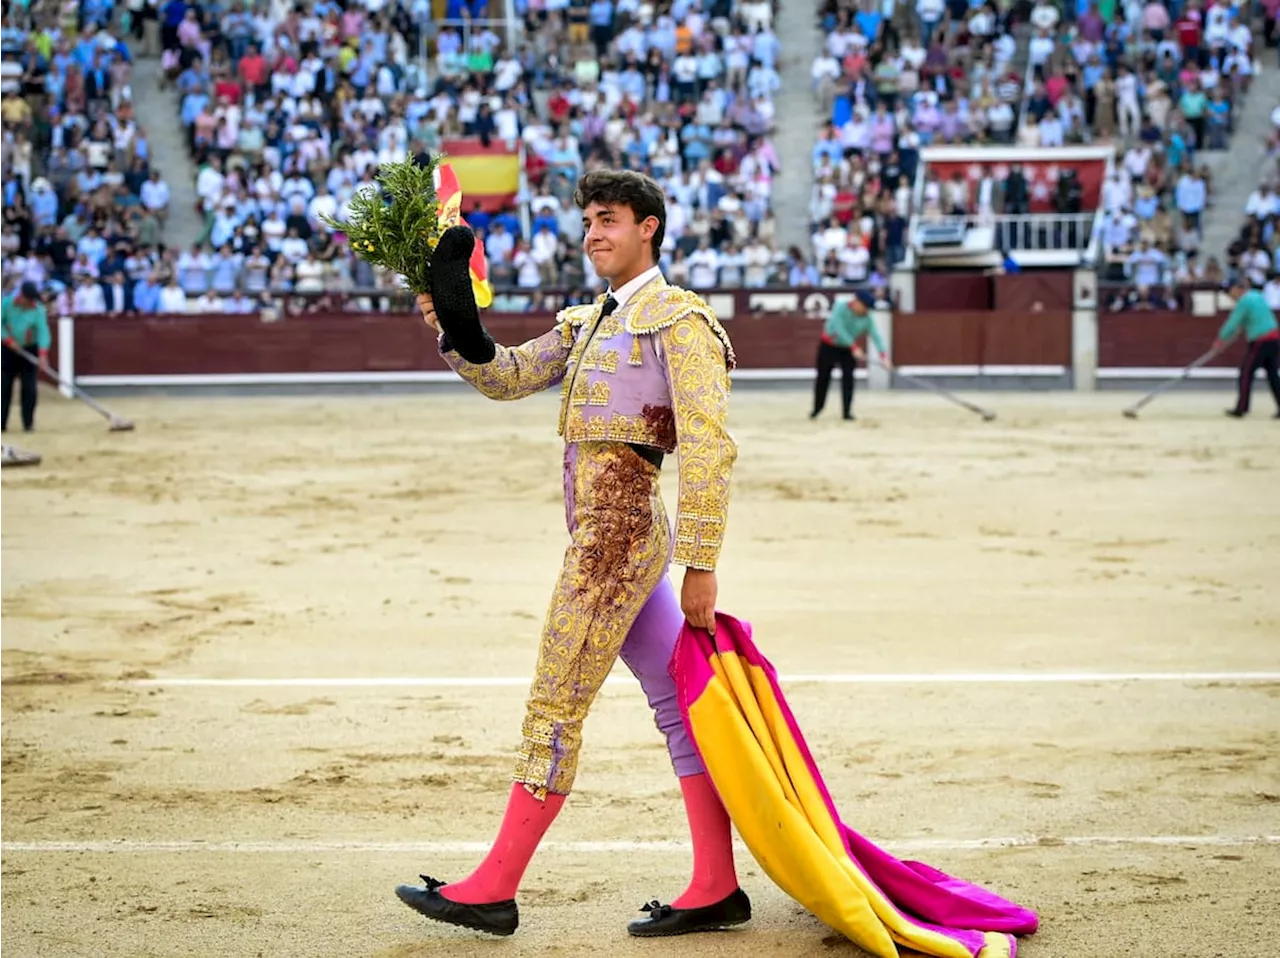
{"x": 655, "y": 909}
{"x": 495, "y": 918}
{"x": 666, "y": 920}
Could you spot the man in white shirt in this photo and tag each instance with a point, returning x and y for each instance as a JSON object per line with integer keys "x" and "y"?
{"x": 704, "y": 267}
{"x": 1262, "y": 203}
{"x": 87, "y": 298}
{"x": 855, "y": 262}
{"x": 1191, "y": 195}
{"x": 154, "y": 194}
{"x": 1146, "y": 265}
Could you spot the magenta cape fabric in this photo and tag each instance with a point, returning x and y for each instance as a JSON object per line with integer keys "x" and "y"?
{"x": 924, "y": 896}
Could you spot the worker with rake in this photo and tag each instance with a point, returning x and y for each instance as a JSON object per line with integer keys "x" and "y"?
{"x": 643, "y": 373}
{"x": 25, "y": 324}
{"x": 1254, "y": 318}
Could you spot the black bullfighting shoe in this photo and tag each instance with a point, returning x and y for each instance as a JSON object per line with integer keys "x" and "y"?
{"x": 496, "y": 918}
{"x": 664, "y": 920}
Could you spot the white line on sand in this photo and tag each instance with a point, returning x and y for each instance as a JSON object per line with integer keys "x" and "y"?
{"x": 905, "y": 846}
{"x": 905, "y": 678}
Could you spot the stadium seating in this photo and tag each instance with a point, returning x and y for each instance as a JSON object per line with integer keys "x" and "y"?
{"x": 298, "y": 125}
{"x": 891, "y": 86}
{"x": 288, "y": 112}
{"x": 1162, "y": 86}
{"x": 82, "y": 205}
{"x": 1255, "y": 252}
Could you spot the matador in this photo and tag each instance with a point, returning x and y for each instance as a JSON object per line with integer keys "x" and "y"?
{"x": 643, "y": 373}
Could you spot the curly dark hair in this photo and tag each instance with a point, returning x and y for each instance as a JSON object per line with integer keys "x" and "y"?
{"x": 639, "y": 192}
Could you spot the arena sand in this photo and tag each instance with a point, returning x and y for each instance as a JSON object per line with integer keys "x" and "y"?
{"x": 420, "y": 536}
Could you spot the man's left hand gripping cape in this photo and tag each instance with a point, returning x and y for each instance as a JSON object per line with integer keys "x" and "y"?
{"x": 759, "y": 763}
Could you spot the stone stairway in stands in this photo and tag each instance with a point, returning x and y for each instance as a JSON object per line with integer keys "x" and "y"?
{"x": 797, "y": 121}
{"x": 1237, "y": 171}
{"x": 157, "y": 112}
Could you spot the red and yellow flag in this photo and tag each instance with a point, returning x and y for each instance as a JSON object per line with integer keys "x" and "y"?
{"x": 449, "y": 194}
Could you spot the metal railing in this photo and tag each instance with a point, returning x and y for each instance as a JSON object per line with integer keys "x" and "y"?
{"x": 1031, "y": 232}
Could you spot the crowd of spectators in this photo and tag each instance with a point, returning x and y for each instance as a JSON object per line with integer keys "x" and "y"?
{"x": 931, "y": 73}
{"x": 289, "y": 109}
{"x": 1162, "y": 81}
{"x": 84, "y": 210}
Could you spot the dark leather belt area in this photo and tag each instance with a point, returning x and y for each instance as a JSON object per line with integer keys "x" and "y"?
{"x": 649, "y": 454}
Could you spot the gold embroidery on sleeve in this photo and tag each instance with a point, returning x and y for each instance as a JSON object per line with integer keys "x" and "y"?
{"x": 517, "y": 371}
{"x": 695, "y": 357}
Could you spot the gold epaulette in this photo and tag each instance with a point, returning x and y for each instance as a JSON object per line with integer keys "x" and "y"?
{"x": 571, "y": 317}
{"x": 659, "y": 305}
{"x": 577, "y": 315}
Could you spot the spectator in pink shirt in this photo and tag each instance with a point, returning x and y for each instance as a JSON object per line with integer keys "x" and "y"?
{"x": 926, "y": 119}
{"x": 1091, "y": 26}
{"x": 1155, "y": 20}
{"x": 881, "y": 131}
{"x": 352, "y": 22}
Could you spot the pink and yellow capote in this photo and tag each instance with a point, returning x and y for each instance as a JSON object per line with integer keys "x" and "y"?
{"x": 747, "y": 736}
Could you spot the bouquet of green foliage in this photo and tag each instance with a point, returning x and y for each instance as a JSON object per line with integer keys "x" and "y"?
{"x": 397, "y": 225}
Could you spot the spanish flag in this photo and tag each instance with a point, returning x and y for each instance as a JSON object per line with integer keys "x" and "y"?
{"x": 449, "y": 200}
{"x": 489, "y": 175}
{"x": 759, "y": 763}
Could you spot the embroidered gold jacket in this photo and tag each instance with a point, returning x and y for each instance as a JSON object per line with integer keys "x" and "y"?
{"x": 654, "y": 373}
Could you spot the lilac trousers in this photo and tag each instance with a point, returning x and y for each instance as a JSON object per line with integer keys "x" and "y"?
{"x": 647, "y": 653}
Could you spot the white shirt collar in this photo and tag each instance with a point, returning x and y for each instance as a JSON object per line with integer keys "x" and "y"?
{"x": 632, "y": 286}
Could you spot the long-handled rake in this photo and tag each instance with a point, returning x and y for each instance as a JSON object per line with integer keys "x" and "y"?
{"x": 114, "y": 423}
{"x": 1132, "y": 411}
{"x": 13, "y": 456}
{"x": 986, "y": 414}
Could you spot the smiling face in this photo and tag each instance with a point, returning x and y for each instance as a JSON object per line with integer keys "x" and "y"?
{"x": 619, "y": 247}
{"x": 623, "y": 221}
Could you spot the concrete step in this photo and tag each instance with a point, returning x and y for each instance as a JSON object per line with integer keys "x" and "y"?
{"x": 798, "y": 120}
{"x": 158, "y": 114}
{"x": 1238, "y": 170}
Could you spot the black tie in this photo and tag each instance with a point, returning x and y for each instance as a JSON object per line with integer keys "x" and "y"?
{"x": 610, "y": 304}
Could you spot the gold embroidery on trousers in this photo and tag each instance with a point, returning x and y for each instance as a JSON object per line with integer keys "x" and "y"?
{"x": 616, "y": 558}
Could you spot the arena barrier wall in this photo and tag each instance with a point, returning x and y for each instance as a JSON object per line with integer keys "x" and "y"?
{"x": 1038, "y": 330}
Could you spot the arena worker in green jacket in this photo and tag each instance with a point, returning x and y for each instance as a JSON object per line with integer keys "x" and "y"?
{"x": 25, "y": 324}
{"x": 1254, "y": 318}
{"x": 847, "y": 323}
